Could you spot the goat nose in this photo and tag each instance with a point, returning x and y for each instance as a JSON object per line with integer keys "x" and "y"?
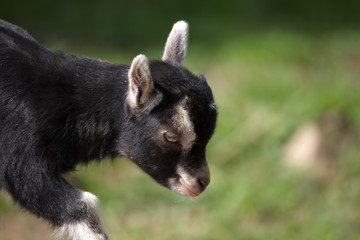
{"x": 203, "y": 177}
{"x": 203, "y": 182}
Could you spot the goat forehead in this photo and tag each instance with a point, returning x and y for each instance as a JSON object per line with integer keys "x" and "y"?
{"x": 182, "y": 123}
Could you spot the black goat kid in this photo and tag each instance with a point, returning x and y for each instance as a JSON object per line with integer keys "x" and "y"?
{"x": 58, "y": 110}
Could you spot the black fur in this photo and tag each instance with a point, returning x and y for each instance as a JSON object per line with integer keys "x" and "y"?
{"x": 58, "y": 110}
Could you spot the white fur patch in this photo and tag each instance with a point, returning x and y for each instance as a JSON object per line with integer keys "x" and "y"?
{"x": 186, "y": 177}
{"x": 176, "y": 187}
{"x": 81, "y": 230}
{"x": 77, "y": 231}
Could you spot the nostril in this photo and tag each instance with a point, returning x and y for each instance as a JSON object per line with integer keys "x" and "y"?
{"x": 203, "y": 182}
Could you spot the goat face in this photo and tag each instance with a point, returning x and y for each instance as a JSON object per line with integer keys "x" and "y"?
{"x": 172, "y": 117}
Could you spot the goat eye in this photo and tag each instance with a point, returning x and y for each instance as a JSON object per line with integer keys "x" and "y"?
{"x": 171, "y": 137}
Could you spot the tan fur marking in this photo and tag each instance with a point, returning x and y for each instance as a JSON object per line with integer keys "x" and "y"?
{"x": 182, "y": 123}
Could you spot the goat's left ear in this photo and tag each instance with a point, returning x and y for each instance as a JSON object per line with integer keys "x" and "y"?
{"x": 140, "y": 82}
{"x": 176, "y": 44}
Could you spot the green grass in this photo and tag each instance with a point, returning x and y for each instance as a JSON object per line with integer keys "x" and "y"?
{"x": 266, "y": 85}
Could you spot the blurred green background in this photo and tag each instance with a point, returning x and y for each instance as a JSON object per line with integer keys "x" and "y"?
{"x": 276, "y": 68}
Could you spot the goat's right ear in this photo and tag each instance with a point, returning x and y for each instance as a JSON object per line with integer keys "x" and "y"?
{"x": 140, "y": 82}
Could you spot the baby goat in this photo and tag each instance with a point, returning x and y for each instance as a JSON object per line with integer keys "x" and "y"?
{"x": 58, "y": 110}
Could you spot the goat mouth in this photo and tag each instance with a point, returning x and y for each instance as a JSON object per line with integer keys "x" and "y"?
{"x": 190, "y": 192}
{"x": 178, "y": 185}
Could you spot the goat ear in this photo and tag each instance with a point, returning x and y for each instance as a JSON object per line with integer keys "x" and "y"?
{"x": 140, "y": 82}
{"x": 176, "y": 44}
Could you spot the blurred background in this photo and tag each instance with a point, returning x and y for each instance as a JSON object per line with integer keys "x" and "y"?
{"x": 285, "y": 157}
